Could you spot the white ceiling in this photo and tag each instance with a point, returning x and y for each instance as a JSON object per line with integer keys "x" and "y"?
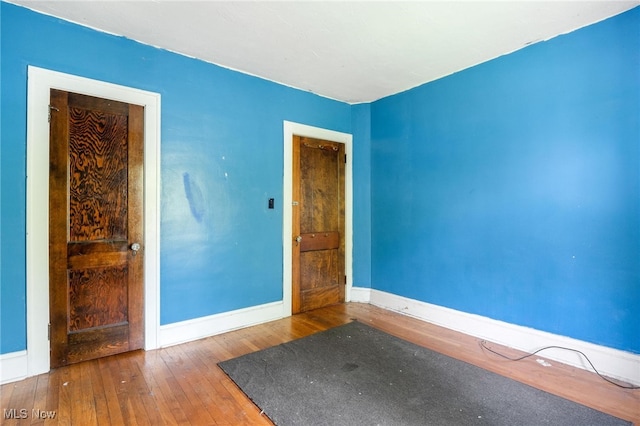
{"x": 356, "y": 51}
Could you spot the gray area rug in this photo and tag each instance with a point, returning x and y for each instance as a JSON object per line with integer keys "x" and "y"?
{"x": 357, "y": 375}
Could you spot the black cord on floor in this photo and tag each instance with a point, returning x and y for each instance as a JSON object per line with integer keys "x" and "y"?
{"x": 483, "y": 344}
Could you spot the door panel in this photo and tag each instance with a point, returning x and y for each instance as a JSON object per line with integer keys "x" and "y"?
{"x": 95, "y": 204}
{"x": 318, "y": 222}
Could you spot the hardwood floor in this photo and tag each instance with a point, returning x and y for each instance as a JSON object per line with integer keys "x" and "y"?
{"x": 183, "y": 385}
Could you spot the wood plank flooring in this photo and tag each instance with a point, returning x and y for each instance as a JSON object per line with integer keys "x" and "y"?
{"x": 183, "y": 384}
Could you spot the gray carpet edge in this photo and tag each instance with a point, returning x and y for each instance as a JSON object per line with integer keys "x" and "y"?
{"x": 370, "y": 377}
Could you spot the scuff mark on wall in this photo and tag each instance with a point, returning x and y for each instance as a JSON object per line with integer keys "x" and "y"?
{"x": 194, "y": 196}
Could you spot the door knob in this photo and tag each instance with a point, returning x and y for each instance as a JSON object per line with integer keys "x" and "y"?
{"x": 134, "y": 248}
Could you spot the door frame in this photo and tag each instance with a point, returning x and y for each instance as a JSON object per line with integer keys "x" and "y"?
{"x": 290, "y": 129}
{"x": 40, "y": 82}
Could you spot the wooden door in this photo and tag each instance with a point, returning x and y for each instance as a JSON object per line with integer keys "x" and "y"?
{"x": 318, "y": 255}
{"x": 96, "y": 242}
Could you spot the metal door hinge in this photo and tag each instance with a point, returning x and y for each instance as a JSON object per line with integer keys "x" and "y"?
{"x": 294, "y": 203}
{"x": 51, "y": 107}
{"x": 49, "y": 332}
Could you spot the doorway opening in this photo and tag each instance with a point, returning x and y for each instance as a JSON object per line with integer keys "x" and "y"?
{"x": 295, "y": 129}
{"x": 40, "y": 82}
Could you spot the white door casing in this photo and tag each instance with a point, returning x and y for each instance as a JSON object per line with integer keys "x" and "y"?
{"x": 40, "y": 81}
{"x": 290, "y": 129}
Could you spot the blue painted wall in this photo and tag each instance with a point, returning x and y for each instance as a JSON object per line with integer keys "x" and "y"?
{"x": 221, "y": 247}
{"x": 361, "y": 130}
{"x": 512, "y": 189}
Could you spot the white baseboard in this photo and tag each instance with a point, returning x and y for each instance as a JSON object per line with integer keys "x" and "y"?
{"x": 360, "y": 295}
{"x": 186, "y": 331}
{"x": 610, "y": 362}
{"x": 13, "y": 367}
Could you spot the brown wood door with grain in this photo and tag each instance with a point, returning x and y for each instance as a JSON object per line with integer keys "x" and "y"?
{"x": 96, "y": 242}
{"x": 318, "y": 254}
